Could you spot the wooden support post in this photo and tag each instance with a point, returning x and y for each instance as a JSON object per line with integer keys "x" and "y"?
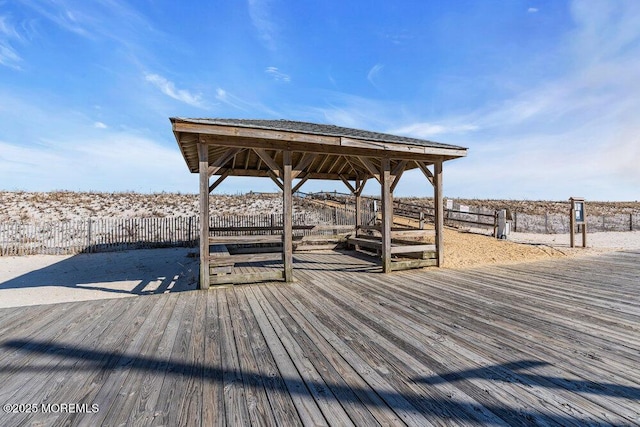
{"x": 358, "y": 207}
{"x": 439, "y": 212}
{"x": 584, "y": 227}
{"x": 387, "y": 214}
{"x": 287, "y": 207}
{"x": 203, "y": 158}
{"x": 572, "y": 227}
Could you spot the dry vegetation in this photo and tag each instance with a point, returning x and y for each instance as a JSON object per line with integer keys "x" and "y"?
{"x": 540, "y": 207}
{"x": 66, "y": 205}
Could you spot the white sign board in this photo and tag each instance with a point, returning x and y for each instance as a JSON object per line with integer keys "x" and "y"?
{"x": 464, "y": 208}
{"x": 579, "y": 207}
{"x": 449, "y": 204}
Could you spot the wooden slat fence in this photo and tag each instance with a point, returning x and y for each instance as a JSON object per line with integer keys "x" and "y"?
{"x": 96, "y": 235}
{"x": 559, "y": 223}
{"x": 116, "y": 234}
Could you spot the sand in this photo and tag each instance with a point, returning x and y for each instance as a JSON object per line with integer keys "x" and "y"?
{"x": 48, "y": 279}
{"x": 464, "y": 250}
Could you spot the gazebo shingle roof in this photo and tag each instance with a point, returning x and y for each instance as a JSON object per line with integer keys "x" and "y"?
{"x": 322, "y": 129}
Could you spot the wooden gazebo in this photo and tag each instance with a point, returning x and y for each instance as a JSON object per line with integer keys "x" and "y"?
{"x": 285, "y": 150}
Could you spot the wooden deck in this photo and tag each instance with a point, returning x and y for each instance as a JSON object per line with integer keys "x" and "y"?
{"x": 549, "y": 343}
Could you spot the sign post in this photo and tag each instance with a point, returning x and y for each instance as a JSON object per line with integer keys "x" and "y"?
{"x": 577, "y": 217}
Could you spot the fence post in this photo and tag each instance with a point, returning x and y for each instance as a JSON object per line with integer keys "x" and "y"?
{"x": 273, "y": 223}
{"x": 88, "y": 235}
{"x": 20, "y": 240}
{"x": 603, "y": 226}
{"x": 546, "y": 222}
{"x": 630, "y": 222}
{"x": 515, "y": 221}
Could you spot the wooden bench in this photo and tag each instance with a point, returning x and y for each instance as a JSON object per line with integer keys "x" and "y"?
{"x": 405, "y": 248}
{"x": 219, "y": 253}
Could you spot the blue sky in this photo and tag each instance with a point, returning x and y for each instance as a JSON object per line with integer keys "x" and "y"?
{"x": 545, "y": 94}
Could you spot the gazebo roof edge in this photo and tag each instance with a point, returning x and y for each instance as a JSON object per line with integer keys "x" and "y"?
{"x": 317, "y": 129}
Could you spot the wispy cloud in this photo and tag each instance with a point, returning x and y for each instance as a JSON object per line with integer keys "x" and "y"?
{"x": 113, "y": 20}
{"x": 277, "y": 74}
{"x": 262, "y": 20}
{"x": 69, "y": 150}
{"x": 113, "y": 162}
{"x": 66, "y": 15}
{"x": 581, "y": 125}
{"x": 532, "y": 10}
{"x": 232, "y": 100}
{"x": 168, "y": 88}
{"x": 428, "y": 130}
{"x": 373, "y": 73}
{"x": 9, "y": 57}
{"x": 349, "y": 110}
{"x": 100, "y": 125}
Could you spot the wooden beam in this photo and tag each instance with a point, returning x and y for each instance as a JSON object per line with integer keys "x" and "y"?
{"x": 397, "y": 173}
{"x": 275, "y": 179}
{"x": 203, "y": 160}
{"x": 299, "y": 184}
{"x": 260, "y": 238}
{"x": 268, "y": 160}
{"x": 344, "y": 165}
{"x": 320, "y": 149}
{"x": 348, "y": 184}
{"x": 371, "y": 168}
{"x": 218, "y": 181}
{"x": 265, "y": 173}
{"x": 220, "y": 161}
{"x": 230, "y": 131}
{"x": 361, "y": 186}
{"x": 412, "y": 248}
{"x": 396, "y": 180}
{"x": 246, "y": 277}
{"x": 394, "y": 146}
{"x": 246, "y": 160}
{"x": 387, "y": 213}
{"x": 303, "y": 163}
{"x": 319, "y": 168}
{"x": 400, "y": 167}
{"x": 287, "y": 211}
{"x": 425, "y": 171}
{"x": 414, "y": 263}
{"x": 439, "y": 213}
{"x": 357, "y": 168}
{"x": 334, "y": 164}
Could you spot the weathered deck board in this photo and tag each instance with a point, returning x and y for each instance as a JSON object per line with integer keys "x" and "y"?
{"x": 549, "y": 343}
